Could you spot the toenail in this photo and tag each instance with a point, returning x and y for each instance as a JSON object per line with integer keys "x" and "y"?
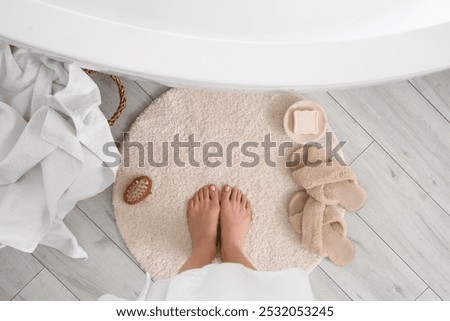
{"x": 227, "y": 188}
{"x": 213, "y": 188}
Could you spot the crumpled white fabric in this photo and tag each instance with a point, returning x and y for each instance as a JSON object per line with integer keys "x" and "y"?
{"x": 227, "y": 282}
{"x": 52, "y": 134}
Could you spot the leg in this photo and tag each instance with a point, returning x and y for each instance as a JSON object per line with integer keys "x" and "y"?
{"x": 203, "y": 220}
{"x": 235, "y": 220}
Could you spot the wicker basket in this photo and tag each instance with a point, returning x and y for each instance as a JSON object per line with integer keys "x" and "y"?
{"x": 122, "y": 95}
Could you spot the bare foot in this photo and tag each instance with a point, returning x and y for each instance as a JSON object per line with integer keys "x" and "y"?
{"x": 203, "y": 220}
{"x": 235, "y": 220}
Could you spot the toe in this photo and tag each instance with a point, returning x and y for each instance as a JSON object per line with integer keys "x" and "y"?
{"x": 243, "y": 199}
{"x": 195, "y": 198}
{"x": 206, "y": 193}
{"x": 238, "y": 196}
{"x": 213, "y": 193}
{"x": 234, "y": 193}
{"x": 248, "y": 206}
{"x": 200, "y": 194}
{"x": 226, "y": 192}
{"x": 191, "y": 203}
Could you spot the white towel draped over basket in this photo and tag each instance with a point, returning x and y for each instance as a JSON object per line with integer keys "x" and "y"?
{"x": 52, "y": 135}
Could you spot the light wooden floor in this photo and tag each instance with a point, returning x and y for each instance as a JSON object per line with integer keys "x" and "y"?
{"x": 398, "y": 142}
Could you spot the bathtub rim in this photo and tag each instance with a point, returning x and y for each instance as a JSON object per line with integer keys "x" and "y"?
{"x": 314, "y": 70}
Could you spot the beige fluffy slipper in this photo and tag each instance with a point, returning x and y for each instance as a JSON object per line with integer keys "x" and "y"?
{"x": 329, "y": 182}
{"x": 322, "y": 228}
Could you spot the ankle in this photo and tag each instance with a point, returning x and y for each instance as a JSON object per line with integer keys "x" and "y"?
{"x": 204, "y": 251}
{"x": 230, "y": 251}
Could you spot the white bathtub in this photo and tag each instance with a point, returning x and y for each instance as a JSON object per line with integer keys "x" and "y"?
{"x": 242, "y": 44}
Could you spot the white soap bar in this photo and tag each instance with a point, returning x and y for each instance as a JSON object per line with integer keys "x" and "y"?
{"x": 306, "y": 122}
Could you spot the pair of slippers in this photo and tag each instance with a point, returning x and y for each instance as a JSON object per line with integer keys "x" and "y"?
{"x": 317, "y": 210}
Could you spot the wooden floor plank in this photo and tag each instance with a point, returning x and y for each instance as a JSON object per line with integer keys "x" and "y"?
{"x": 405, "y": 217}
{"x": 428, "y": 295}
{"x": 436, "y": 89}
{"x": 409, "y": 129}
{"x": 108, "y": 269}
{"x": 152, "y": 88}
{"x": 345, "y": 127}
{"x": 99, "y": 209}
{"x": 323, "y": 287}
{"x": 17, "y": 269}
{"x": 45, "y": 287}
{"x": 376, "y": 273}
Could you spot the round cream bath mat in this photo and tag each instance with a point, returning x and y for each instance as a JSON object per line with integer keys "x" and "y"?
{"x": 189, "y": 138}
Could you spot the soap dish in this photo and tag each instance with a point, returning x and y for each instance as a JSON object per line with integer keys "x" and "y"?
{"x": 305, "y": 105}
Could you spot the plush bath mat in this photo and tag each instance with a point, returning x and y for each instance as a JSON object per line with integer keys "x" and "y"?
{"x": 235, "y": 139}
